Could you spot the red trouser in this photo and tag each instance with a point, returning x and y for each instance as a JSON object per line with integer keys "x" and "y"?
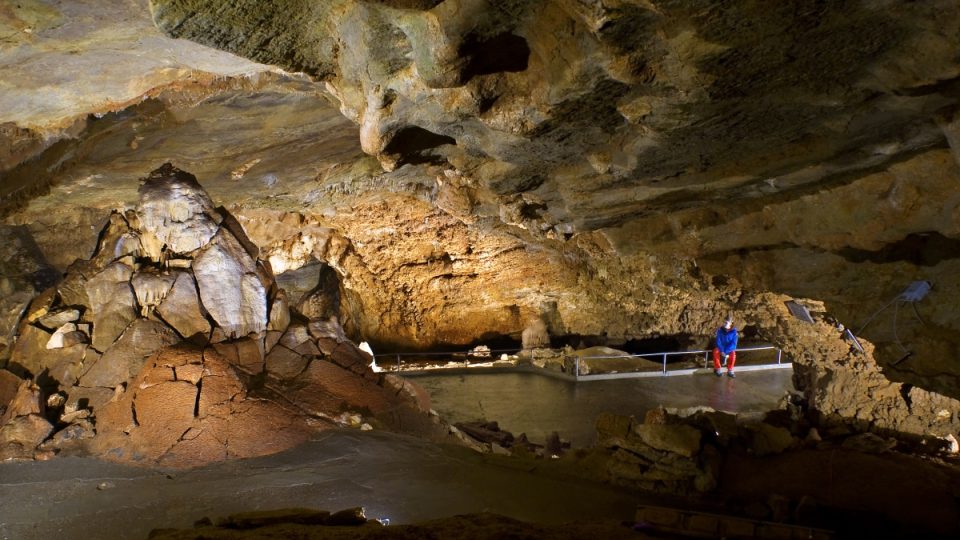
{"x": 730, "y": 361}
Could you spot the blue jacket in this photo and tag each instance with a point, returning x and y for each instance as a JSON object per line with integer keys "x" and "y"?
{"x": 726, "y": 340}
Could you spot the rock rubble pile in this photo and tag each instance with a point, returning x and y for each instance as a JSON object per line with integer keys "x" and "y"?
{"x": 174, "y": 345}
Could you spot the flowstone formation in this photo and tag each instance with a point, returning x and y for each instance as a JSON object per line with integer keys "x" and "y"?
{"x": 174, "y": 345}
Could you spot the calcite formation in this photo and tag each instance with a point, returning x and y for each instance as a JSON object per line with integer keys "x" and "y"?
{"x": 175, "y": 216}
{"x": 187, "y": 407}
{"x": 159, "y": 349}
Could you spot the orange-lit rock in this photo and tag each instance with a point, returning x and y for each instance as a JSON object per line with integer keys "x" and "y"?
{"x": 163, "y": 419}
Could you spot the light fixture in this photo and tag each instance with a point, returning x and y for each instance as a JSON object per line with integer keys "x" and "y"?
{"x": 915, "y": 291}
{"x": 799, "y": 311}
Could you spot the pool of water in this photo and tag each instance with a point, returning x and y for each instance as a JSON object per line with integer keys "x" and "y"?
{"x": 538, "y": 405}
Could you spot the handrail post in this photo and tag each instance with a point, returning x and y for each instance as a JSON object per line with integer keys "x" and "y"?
{"x": 779, "y": 352}
{"x": 398, "y": 362}
{"x": 576, "y": 367}
{"x": 664, "y": 364}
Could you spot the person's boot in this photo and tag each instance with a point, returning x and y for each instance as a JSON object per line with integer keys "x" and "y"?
{"x": 718, "y": 373}
{"x": 731, "y": 374}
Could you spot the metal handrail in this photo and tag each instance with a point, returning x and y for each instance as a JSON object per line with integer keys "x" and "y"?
{"x": 677, "y": 353}
{"x": 577, "y": 358}
{"x": 665, "y": 354}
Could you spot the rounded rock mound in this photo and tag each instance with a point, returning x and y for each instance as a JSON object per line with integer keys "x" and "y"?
{"x": 173, "y": 345}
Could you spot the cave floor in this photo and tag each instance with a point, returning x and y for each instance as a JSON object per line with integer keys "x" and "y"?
{"x": 538, "y": 405}
{"x": 392, "y": 476}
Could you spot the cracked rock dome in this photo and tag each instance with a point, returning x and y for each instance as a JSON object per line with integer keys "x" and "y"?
{"x": 206, "y": 206}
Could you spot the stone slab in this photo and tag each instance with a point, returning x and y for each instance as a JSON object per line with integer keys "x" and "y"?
{"x": 24, "y": 433}
{"x": 9, "y": 383}
{"x": 126, "y": 357}
{"x": 27, "y": 400}
{"x": 284, "y": 363}
{"x": 181, "y": 309}
{"x": 112, "y": 304}
{"x": 678, "y": 439}
{"x": 230, "y": 289}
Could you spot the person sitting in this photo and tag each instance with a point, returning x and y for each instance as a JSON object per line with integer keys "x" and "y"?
{"x": 727, "y": 347}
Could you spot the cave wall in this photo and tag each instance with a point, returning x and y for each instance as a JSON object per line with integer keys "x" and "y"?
{"x": 576, "y": 115}
{"x": 619, "y": 169}
{"x": 787, "y": 146}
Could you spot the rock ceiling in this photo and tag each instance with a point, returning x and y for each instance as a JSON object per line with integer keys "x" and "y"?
{"x": 623, "y": 169}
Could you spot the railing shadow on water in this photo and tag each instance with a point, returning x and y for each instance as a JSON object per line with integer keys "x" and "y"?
{"x": 414, "y": 361}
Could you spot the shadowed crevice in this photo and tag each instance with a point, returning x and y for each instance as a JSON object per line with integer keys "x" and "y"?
{"x": 921, "y": 249}
{"x": 413, "y": 146}
{"x": 421, "y": 5}
{"x": 504, "y": 52}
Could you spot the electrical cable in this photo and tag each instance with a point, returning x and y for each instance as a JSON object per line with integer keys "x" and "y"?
{"x": 917, "y": 313}
{"x": 875, "y": 313}
{"x": 896, "y": 338}
{"x": 902, "y": 297}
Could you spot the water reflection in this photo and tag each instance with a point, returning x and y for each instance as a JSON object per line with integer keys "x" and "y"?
{"x": 724, "y": 396}
{"x": 537, "y": 405}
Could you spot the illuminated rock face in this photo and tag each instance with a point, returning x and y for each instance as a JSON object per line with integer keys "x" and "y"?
{"x": 175, "y": 214}
{"x": 797, "y": 149}
{"x": 573, "y": 115}
{"x": 187, "y": 407}
{"x": 104, "y": 346}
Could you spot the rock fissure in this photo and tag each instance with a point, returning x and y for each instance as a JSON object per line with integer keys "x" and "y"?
{"x": 196, "y": 405}
{"x": 133, "y": 413}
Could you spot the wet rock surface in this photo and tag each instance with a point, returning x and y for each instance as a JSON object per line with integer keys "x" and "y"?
{"x": 705, "y": 451}
{"x": 338, "y": 469}
{"x": 314, "y": 524}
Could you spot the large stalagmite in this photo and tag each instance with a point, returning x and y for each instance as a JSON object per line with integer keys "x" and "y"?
{"x": 125, "y": 390}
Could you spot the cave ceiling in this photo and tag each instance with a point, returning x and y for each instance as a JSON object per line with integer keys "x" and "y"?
{"x": 465, "y": 165}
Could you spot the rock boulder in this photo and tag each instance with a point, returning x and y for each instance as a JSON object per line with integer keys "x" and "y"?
{"x": 188, "y": 406}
